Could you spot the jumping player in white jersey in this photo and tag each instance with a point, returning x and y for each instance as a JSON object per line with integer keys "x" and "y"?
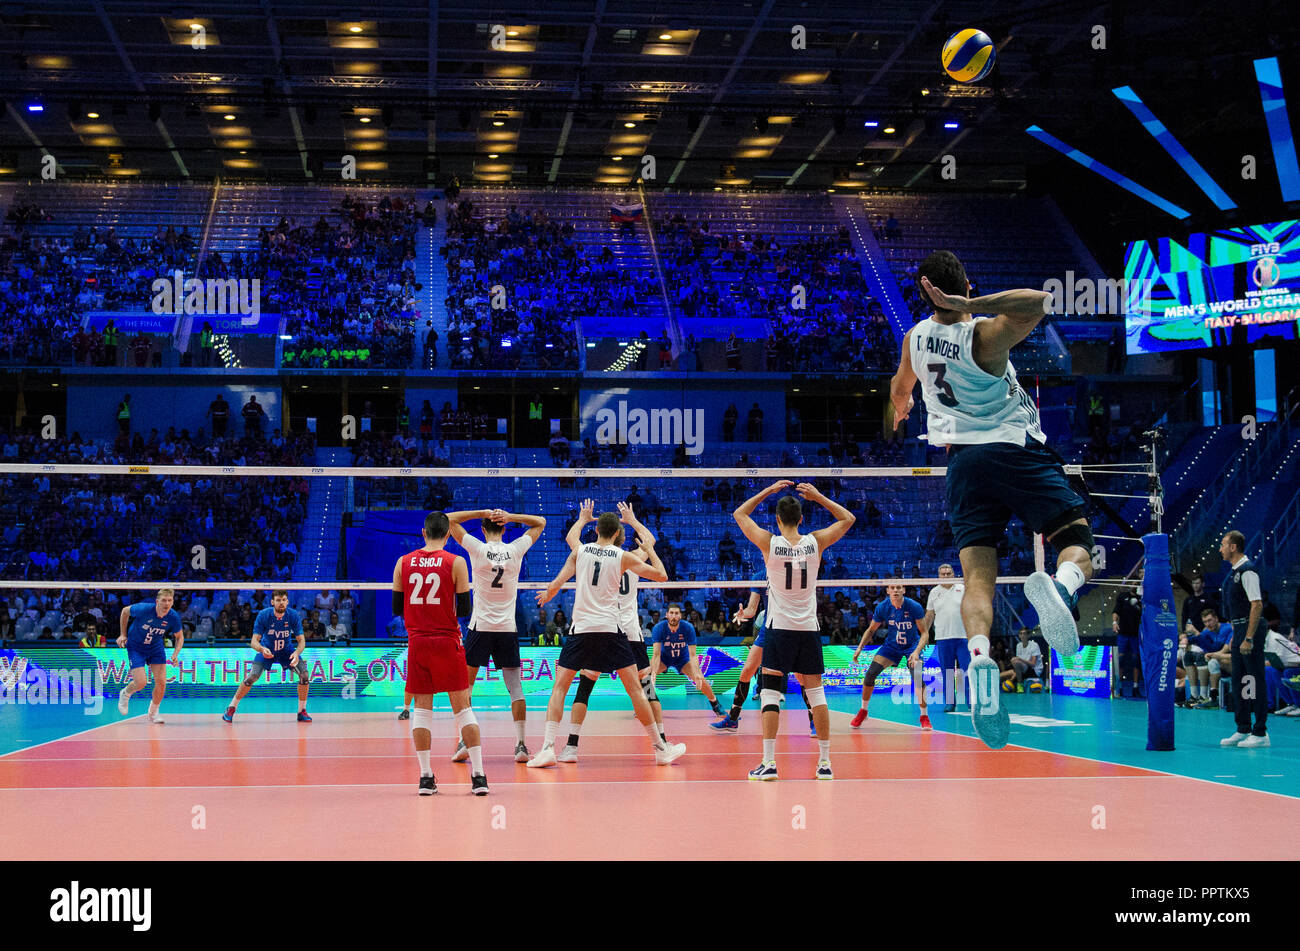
{"x": 793, "y": 642}
{"x": 629, "y": 622}
{"x": 998, "y": 464}
{"x": 595, "y": 642}
{"x": 492, "y": 637}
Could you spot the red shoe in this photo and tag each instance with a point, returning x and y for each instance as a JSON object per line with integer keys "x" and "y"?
{"x": 858, "y": 718}
{"x": 925, "y": 722}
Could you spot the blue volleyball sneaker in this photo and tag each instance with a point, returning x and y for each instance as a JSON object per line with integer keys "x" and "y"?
{"x": 725, "y": 725}
{"x": 987, "y": 712}
{"x": 1055, "y": 609}
{"x": 302, "y": 717}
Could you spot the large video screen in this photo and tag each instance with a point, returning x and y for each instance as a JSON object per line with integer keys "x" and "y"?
{"x": 1228, "y": 287}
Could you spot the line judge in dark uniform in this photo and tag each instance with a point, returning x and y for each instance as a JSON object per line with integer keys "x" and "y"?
{"x": 1243, "y": 605}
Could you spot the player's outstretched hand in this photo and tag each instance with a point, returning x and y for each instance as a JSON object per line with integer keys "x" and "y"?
{"x": 121, "y": 641}
{"x": 779, "y": 485}
{"x": 944, "y": 301}
{"x": 740, "y": 615}
{"x": 542, "y": 596}
{"x": 856, "y": 655}
{"x": 584, "y": 513}
{"x": 625, "y": 513}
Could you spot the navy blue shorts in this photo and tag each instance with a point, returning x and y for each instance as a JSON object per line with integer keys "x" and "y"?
{"x": 952, "y": 650}
{"x": 142, "y": 655}
{"x": 675, "y": 663}
{"x": 758, "y": 641}
{"x": 501, "y": 647}
{"x": 1127, "y": 646}
{"x": 281, "y": 658}
{"x": 988, "y": 483}
{"x": 794, "y": 652}
{"x": 887, "y": 655}
{"x": 641, "y": 655}
{"x": 603, "y": 653}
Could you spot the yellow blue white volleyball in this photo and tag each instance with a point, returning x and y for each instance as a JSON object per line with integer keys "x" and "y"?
{"x": 968, "y": 55}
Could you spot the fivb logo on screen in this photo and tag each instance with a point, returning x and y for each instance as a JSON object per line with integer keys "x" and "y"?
{"x": 37, "y": 687}
{"x": 654, "y": 427}
{"x": 1085, "y": 295}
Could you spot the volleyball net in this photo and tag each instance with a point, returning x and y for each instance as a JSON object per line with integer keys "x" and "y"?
{"x": 224, "y": 537}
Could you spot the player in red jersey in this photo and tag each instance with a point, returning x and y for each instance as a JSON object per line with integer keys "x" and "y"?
{"x": 430, "y": 591}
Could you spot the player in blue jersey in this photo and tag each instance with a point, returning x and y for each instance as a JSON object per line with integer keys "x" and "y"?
{"x": 674, "y": 646}
{"x": 753, "y": 661}
{"x": 278, "y": 639}
{"x": 908, "y": 633}
{"x": 144, "y": 630}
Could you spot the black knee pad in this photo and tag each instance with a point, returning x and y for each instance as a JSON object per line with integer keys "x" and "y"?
{"x": 585, "y": 687}
{"x": 1072, "y": 535}
{"x": 773, "y": 682}
{"x": 873, "y": 671}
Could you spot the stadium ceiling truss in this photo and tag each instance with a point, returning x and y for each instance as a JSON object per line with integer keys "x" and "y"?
{"x": 755, "y": 91}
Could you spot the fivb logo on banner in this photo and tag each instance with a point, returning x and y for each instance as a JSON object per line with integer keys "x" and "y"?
{"x": 179, "y": 295}
{"x": 654, "y": 427}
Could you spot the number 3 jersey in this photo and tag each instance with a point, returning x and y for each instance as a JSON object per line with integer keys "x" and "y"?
{"x": 596, "y": 605}
{"x": 792, "y": 583}
{"x": 495, "y": 568}
{"x": 963, "y": 403}
{"x": 429, "y": 591}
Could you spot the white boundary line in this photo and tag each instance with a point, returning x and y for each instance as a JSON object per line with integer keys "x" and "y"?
{"x": 60, "y": 739}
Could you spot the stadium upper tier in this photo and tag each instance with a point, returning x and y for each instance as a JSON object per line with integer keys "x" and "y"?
{"x": 534, "y": 279}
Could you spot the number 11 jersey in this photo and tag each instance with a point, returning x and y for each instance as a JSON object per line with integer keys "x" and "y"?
{"x": 792, "y": 583}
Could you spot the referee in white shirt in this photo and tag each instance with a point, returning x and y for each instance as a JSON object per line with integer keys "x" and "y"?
{"x": 943, "y": 616}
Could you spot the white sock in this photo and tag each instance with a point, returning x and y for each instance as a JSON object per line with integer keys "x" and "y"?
{"x": 548, "y": 738}
{"x": 302, "y": 705}
{"x": 825, "y": 748}
{"x": 519, "y": 730}
{"x": 864, "y": 705}
{"x": 653, "y": 733}
{"x": 979, "y": 644}
{"x": 234, "y": 701}
{"x": 575, "y": 728}
{"x": 476, "y": 760}
{"x": 769, "y": 751}
{"x": 659, "y": 728}
{"x": 153, "y": 708}
{"x": 423, "y": 757}
{"x": 1071, "y": 576}
{"x": 129, "y": 688}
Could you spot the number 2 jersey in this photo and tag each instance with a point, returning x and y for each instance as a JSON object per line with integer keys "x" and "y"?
{"x": 495, "y": 568}
{"x": 596, "y": 605}
{"x": 792, "y": 583}
{"x": 963, "y": 403}
{"x": 429, "y": 593}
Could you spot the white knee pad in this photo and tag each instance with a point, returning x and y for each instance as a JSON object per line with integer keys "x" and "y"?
{"x": 465, "y": 718}
{"x": 511, "y": 676}
{"x": 816, "y": 697}
{"x": 421, "y": 719}
{"x": 1214, "y": 667}
{"x": 771, "y": 698}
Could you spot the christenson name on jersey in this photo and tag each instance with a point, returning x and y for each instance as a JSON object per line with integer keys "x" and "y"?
{"x": 965, "y": 404}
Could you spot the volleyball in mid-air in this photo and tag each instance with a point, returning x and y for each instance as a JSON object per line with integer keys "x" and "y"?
{"x": 968, "y": 55}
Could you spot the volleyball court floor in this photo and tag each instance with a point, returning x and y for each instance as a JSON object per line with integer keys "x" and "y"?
{"x": 1076, "y": 783}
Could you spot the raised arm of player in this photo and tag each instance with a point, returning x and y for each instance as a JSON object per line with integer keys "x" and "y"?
{"x": 844, "y": 519}
{"x": 567, "y": 572}
{"x": 867, "y": 635}
{"x": 761, "y": 537}
{"x": 628, "y": 518}
{"x": 536, "y": 523}
{"x": 900, "y": 387}
{"x": 1017, "y": 314}
{"x": 574, "y": 535}
{"x": 455, "y": 518}
{"x": 651, "y": 568}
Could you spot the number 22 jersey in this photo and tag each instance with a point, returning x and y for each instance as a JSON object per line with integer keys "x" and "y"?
{"x": 429, "y": 592}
